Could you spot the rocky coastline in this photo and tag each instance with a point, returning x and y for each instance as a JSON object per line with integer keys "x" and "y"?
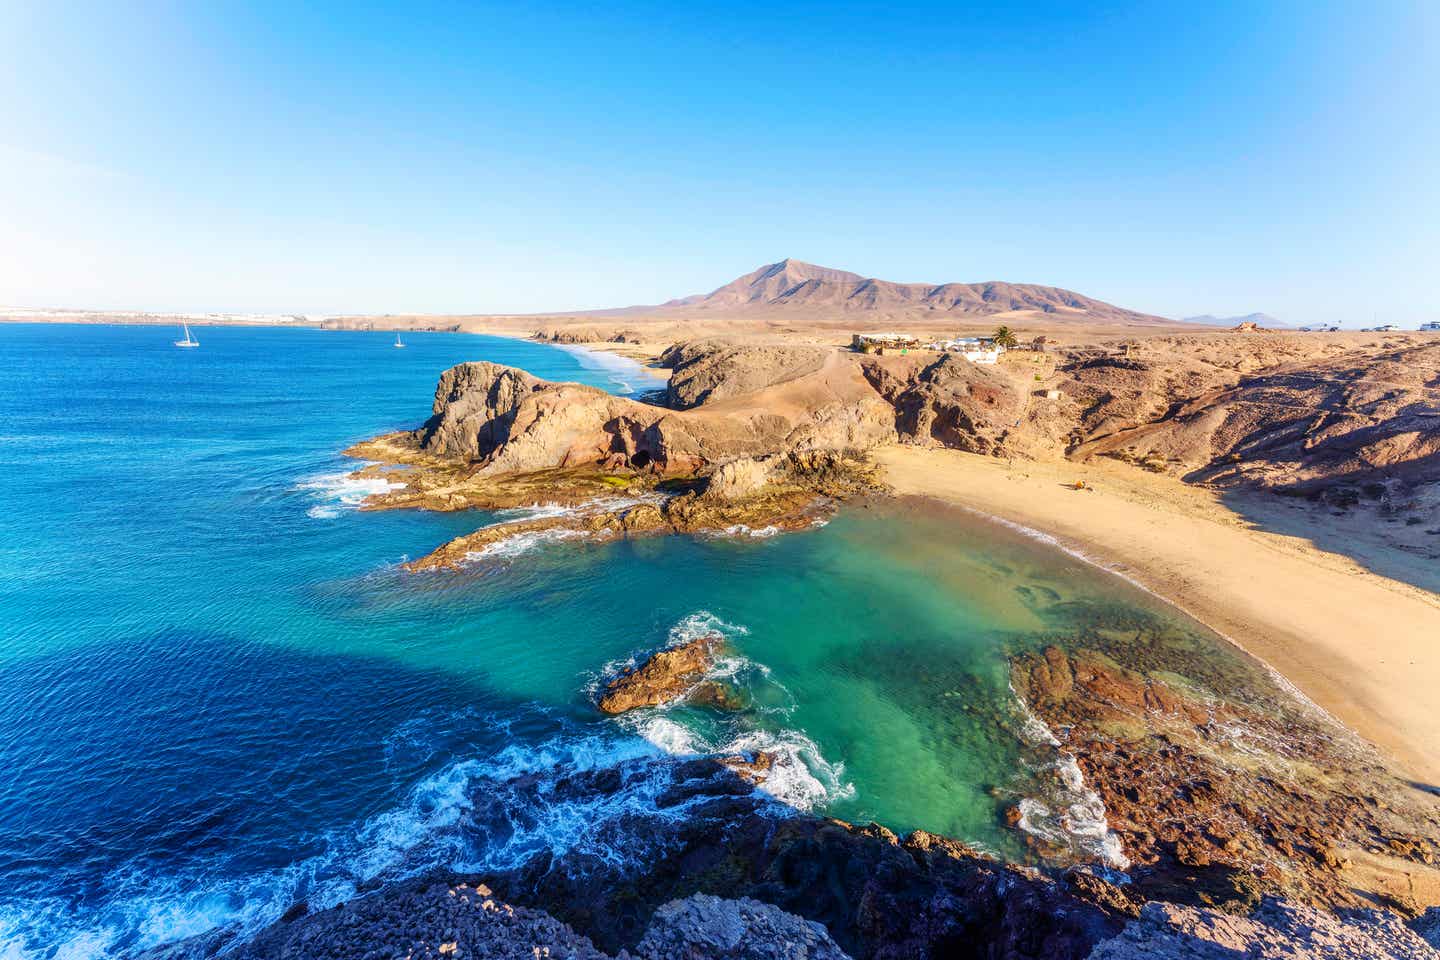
{"x": 759, "y": 434}
{"x": 735, "y": 879}
{"x": 1247, "y": 823}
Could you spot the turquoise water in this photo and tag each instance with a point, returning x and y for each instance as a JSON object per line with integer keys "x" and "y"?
{"x": 219, "y": 694}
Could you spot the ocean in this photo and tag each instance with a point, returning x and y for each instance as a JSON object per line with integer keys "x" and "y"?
{"x": 220, "y": 695}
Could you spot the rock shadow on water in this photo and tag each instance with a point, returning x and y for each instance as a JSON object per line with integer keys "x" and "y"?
{"x": 182, "y": 780}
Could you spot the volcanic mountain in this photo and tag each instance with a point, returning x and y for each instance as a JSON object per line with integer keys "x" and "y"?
{"x": 795, "y": 285}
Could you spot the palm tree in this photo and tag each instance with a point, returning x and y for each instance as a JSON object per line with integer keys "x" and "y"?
{"x": 1004, "y": 338}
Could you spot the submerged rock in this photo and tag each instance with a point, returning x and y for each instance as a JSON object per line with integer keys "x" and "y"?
{"x": 753, "y": 768}
{"x": 666, "y": 676}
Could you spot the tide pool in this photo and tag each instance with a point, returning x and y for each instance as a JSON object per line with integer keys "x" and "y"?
{"x": 219, "y": 695}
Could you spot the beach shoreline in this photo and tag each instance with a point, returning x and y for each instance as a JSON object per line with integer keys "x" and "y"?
{"x": 1359, "y": 645}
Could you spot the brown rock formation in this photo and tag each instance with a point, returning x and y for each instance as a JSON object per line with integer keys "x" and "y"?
{"x": 706, "y": 370}
{"x": 949, "y": 401}
{"x": 666, "y": 676}
{"x": 1277, "y": 931}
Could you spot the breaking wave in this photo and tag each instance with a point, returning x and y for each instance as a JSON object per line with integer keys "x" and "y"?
{"x": 800, "y": 777}
{"x": 524, "y": 542}
{"x": 490, "y": 813}
{"x": 1067, "y": 814}
{"x": 333, "y": 493}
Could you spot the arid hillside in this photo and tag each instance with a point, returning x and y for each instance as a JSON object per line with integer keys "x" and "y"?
{"x": 795, "y": 286}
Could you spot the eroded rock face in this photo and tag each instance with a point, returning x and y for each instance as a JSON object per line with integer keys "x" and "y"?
{"x": 474, "y": 406}
{"x": 456, "y": 920}
{"x": 666, "y": 676}
{"x": 504, "y": 421}
{"x": 949, "y": 401}
{"x": 706, "y": 370}
{"x": 1277, "y": 411}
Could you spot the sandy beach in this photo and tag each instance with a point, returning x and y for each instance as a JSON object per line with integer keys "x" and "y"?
{"x": 1363, "y": 646}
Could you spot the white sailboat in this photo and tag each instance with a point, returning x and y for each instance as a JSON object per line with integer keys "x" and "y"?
{"x": 398, "y": 342}
{"x": 189, "y": 341}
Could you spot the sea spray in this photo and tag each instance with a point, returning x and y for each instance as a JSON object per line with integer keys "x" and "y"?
{"x": 475, "y": 815}
{"x": 342, "y": 490}
{"x": 800, "y": 777}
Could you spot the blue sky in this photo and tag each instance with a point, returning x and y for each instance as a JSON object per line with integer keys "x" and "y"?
{"x": 1179, "y": 159}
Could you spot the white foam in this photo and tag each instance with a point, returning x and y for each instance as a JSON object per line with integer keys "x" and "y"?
{"x": 524, "y": 542}
{"x": 744, "y": 530}
{"x": 800, "y": 777}
{"x": 625, "y": 374}
{"x": 669, "y": 735}
{"x": 703, "y": 623}
{"x": 1032, "y": 727}
{"x": 1074, "y": 817}
{"x": 535, "y": 511}
{"x": 343, "y": 490}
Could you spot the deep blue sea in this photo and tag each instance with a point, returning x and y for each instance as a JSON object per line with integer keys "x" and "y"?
{"x": 219, "y": 694}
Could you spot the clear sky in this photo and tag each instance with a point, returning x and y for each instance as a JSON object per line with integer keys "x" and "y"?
{"x": 1176, "y": 158}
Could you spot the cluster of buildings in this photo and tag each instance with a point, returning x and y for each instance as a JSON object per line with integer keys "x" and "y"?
{"x": 974, "y": 349}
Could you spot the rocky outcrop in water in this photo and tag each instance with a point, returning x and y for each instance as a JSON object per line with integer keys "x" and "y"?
{"x": 665, "y": 676}
{"x": 799, "y": 490}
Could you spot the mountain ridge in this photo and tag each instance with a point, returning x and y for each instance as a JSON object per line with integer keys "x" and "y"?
{"x": 792, "y": 284}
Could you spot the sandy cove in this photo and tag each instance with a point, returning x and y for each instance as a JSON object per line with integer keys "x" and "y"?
{"x": 1363, "y": 646}
{"x": 1357, "y": 643}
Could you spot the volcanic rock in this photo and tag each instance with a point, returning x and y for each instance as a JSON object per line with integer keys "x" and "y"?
{"x": 715, "y": 929}
{"x": 1277, "y": 931}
